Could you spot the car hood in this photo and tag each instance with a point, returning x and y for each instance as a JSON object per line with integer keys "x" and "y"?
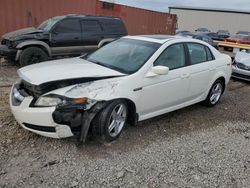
{"x": 21, "y": 32}
{"x": 243, "y": 57}
{"x": 73, "y": 69}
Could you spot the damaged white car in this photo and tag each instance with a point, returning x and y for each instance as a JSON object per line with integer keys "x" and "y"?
{"x": 241, "y": 66}
{"x": 126, "y": 81}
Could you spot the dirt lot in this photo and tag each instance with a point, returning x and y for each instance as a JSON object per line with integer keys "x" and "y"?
{"x": 192, "y": 147}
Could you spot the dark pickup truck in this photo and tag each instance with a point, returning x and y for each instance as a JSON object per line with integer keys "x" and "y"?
{"x": 68, "y": 35}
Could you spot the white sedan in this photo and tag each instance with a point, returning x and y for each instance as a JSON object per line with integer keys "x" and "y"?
{"x": 126, "y": 81}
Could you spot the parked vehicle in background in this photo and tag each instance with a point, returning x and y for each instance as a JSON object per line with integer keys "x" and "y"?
{"x": 223, "y": 32}
{"x": 241, "y": 66}
{"x": 60, "y": 36}
{"x": 182, "y": 32}
{"x": 219, "y": 36}
{"x": 204, "y": 37}
{"x": 239, "y": 38}
{"x": 202, "y": 30}
{"x": 243, "y": 33}
{"x": 131, "y": 79}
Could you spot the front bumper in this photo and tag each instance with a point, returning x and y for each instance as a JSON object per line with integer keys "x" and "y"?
{"x": 38, "y": 120}
{"x": 7, "y": 52}
{"x": 240, "y": 73}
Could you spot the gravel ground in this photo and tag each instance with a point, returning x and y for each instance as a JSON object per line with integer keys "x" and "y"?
{"x": 192, "y": 147}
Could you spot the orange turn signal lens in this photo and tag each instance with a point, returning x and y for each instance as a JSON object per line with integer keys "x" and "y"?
{"x": 80, "y": 100}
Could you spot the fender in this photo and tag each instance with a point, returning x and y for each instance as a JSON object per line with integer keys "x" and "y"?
{"x": 32, "y": 43}
{"x": 216, "y": 76}
{"x": 105, "y": 41}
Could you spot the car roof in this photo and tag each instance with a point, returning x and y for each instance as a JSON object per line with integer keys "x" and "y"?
{"x": 153, "y": 38}
{"x": 85, "y": 16}
{"x": 161, "y": 39}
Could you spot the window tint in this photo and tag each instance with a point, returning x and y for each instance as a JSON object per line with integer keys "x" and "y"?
{"x": 113, "y": 26}
{"x": 90, "y": 26}
{"x": 173, "y": 57}
{"x": 197, "y": 53}
{"x": 210, "y": 56}
{"x": 68, "y": 26}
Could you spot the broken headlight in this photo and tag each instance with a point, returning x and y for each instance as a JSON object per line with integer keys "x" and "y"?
{"x": 56, "y": 100}
{"x": 49, "y": 100}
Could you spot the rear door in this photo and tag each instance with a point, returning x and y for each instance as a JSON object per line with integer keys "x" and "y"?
{"x": 92, "y": 34}
{"x": 202, "y": 67}
{"x": 66, "y": 37}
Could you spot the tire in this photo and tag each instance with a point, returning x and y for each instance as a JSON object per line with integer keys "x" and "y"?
{"x": 32, "y": 55}
{"x": 109, "y": 123}
{"x": 214, "y": 94}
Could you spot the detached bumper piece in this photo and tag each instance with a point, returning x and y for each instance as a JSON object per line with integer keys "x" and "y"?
{"x": 77, "y": 119}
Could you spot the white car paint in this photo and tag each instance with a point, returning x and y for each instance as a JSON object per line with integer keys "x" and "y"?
{"x": 159, "y": 94}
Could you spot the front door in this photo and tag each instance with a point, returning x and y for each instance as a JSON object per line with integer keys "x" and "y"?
{"x": 66, "y": 37}
{"x": 164, "y": 92}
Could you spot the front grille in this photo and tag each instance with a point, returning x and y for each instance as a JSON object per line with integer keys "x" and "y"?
{"x": 40, "y": 128}
{"x": 242, "y": 66}
{"x": 241, "y": 76}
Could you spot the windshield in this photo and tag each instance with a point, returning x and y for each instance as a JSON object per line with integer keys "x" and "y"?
{"x": 48, "y": 24}
{"x": 124, "y": 55}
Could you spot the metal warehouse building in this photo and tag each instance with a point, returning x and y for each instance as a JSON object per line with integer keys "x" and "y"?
{"x": 16, "y": 14}
{"x": 190, "y": 18}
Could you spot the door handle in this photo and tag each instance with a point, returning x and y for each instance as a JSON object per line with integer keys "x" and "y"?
{"x": 185, "y": 76}
{"x": 76, "y": 38}
{"x": 212, "y": 68}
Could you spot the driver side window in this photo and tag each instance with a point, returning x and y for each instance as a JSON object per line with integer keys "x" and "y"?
{"x": 173, "y": 57}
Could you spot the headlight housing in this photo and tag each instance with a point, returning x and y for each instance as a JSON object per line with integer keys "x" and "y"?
{"x": 56, "y": 100}
{"x": 48, "y": 101}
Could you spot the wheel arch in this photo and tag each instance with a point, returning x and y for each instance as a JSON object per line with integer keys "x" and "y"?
{"x": 20, "y": 47}
{"x": 132, "y": 111}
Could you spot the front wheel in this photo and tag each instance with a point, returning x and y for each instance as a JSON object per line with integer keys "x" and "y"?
{"x": 110, "y": 122}
{"x": 214, "y": 94}
{"x": 32, "y": 55}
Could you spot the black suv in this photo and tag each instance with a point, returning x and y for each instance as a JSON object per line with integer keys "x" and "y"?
{"x": 60, "y": 36}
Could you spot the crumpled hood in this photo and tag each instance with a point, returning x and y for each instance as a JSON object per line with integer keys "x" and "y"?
{"x": 65, "y": 69}
{"x": 243, "y": 57}
{"x": 20, "y": 32}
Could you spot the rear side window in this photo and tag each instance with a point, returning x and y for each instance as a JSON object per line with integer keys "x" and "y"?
{"x": 91, "y": 26}
{"x": 197, "y": 53}
{"x": 68, "y": 26}
{"x": 210, "y": 56}
{"x": 173, "y": 57}
{"x": 114, "y": 26}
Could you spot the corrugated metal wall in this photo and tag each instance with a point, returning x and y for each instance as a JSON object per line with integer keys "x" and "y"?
{"x": 140, "y": 21}
{"x": 15, "y": 14}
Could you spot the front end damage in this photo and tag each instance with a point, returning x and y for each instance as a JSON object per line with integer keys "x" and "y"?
{"x": 76, "y": 117}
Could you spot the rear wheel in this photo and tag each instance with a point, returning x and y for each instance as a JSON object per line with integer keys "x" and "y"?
{"x": 109, "y": 123}
{"x": 214, "y": 94}
{"x": 32, "y": 55}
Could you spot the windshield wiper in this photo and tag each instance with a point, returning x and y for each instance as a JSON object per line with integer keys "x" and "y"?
{"x": 108, "y": 66}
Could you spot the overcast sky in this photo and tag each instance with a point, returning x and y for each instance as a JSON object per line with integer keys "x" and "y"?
{"x": 162, "y": 5}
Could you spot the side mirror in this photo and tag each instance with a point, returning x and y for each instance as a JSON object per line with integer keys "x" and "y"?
{"x": 158, "y": 70}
